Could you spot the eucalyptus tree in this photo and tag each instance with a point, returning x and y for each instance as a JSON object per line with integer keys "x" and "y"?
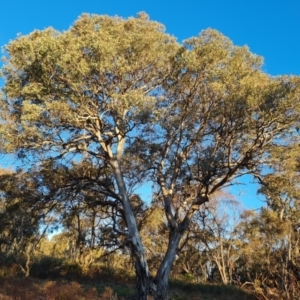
{"x": 23, "y": 217}
{"x": 264, "y": 258}
{"x": 187, "y": 118}
{"x": 281, "y": 189}
{"x": 217, "y": 236}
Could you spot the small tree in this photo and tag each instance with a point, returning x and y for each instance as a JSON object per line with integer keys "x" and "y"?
{"x": 281, "y": 189}
{"x": 186, "y": 117}
{"x": 217, "y": 222}
{"x": 23, "y": 218}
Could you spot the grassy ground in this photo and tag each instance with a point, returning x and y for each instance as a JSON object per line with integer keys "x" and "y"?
{"x": 32, "y": 288}
{"x": 53, "y": 279}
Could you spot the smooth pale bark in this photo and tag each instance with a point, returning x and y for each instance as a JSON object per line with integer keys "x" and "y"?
{"x": 137, "y": 249}
{"x": 163, "y": 274}
{"x": 146, "y": 287}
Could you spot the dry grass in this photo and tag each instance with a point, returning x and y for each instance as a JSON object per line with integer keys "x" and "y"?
{"x": 36, "y": 289}
{"x": 31, "y": 289}
{"x": 56, "y": 281}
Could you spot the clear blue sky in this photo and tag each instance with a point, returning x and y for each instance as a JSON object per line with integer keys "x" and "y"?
{"x": 271, "y": 28}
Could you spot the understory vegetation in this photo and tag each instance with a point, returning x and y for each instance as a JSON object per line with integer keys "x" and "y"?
{"x": 228, "y": 253}
{"x": 56, "y": 280}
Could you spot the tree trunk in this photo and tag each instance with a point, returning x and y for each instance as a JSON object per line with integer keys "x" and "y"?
{"x": 137, "y": 249}
{"x": 146, "y": 287}
{"x": 163, "y": 274}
